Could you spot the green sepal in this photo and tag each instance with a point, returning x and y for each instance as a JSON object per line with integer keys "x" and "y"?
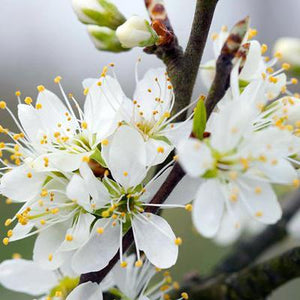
{"x": 199, "y": 122}
{"x": 97, "y": 156}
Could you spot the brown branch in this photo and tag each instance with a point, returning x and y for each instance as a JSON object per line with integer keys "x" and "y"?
{"x": 245, "y": 252}
{"x": 256, "y": 282}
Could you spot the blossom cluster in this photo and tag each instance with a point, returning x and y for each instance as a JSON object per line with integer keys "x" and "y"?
{"x": 85, "y": 177}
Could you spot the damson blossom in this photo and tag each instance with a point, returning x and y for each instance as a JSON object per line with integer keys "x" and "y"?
{"x": 237, "y": 164}
{"x": 254, "y": 66}
{"x": 133, "y": 282}
{"x": 125, "y": 155}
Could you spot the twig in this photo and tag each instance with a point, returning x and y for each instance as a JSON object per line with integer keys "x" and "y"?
{"x": 246, "y": 252}
{"x": 256, "y": 282}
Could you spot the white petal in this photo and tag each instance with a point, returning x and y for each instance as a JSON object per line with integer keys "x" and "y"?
{"x": 208, "y": 208}
{"x": 26, "y": 276}
{"x": 80, "y": 232}
{"x": 153, "y": 156}
{"x": 87, "y": 291}
{"x": 155, "y": 237}
{"x": 96, "y": 253}
{"x": 46, "y": 246}
{"x": 18, "y": 186}
{"x": 101, "y": 106}
{"x": 260, "y": 200}
{"x": 179, "y": 131}
{"x": 207, "y": 73}
{"x": 127, "y": 157}
{"x": 195, "y": 157}
{"x": 20, "y": 231}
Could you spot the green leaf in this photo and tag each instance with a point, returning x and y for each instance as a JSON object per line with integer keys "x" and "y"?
{"x": 199, "y": 120}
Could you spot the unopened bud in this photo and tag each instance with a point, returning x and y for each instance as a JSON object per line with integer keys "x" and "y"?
{"x": 289, "y": 48}
{"x": 98, "y": 12}
{"x": 136, "y": 32}
{"x": 104, "y": 38}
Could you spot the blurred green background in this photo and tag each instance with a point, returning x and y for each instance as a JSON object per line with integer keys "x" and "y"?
{"x": 41, "y": 39}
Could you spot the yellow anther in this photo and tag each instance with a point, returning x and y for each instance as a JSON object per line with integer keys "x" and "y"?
{"x": 283, "y": 89}
{"x": 185, "y": 296}
{"x": 167, "y": 114}
{"x": 104, "y": 142}
{"x": 263, "y": 75}
{"x": 85, "y": 91}
{"x": 16, "y": 256}
{"x": 294, "y": 80}
{"x": 286, "y": 66}
{"x": 189, "y": 207}
{"x": 29, "y": 175}
{"x": 70, "y": 95}
{"x": 176, "y": 285}
{"x": 160, "y": 149}
{"x": 105, "y": 214}
{"x": 270, "y": 70}
{"x": 214, "y": 36}
{"x": 296, "y": 183}
{"x": 244, "y": 162}
{"x": 138, "y": 263}
{"x": 274, "y": 162}
{"x": 106, "y": 173}
{"x": 5, "y": 241}
{"x": 233, "y": 197}
{"x": 50, "y": 257}
{"x": 54, "y": 211}
{"x": 57, "y": 79}
{"x": 233, "y": 175}
{"x": 44, "y": 193}
{"x": 69, "y": 238}
{"x": 259, "y": 214}
{"x": 8, "y": 222}
{"x": 2, "y": 145}
{"x": 149, "y": 90}
{"x": 262, "y": 158}
{"x": 43, "y": 222}
{"x": 40, "y": 88}
{"x": 258, "y": 190}
{"x": 85, "y": 159}
{"x": 38, "y": 106}
{"x": 123, "y": 264}
{"x": 84, "y": 125}
{"x": 252, "y": 33}
{"x": 18, "y": 93}
{"x": 273, "y": 79}
{"x": 170, "y": 87}
{"x": 58, "y": 294}
{"x": 100, "y": 230}
{"x": 278, "y": 55}
{"x": 178, "y": 241}
{"x": 125, "y": 173}
{"x": 9, "y": 233}
{"x": 2, "y": 104}
{"x": 28, "y": 100}
{"x": 264, "y": 48}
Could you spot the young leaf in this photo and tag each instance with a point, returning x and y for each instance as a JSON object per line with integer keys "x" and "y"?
{"x": 199, "y": 119}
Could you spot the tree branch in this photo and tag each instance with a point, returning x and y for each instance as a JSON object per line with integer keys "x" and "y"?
{"x": 245, "y": 252}
{"x": 256, "y": 282}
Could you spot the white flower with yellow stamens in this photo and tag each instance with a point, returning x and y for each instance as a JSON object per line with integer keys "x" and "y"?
{"x": 255, "y": 67}
{"x": 55, "y": 139}
{"x": 150, "y": 114}
{"x": 125, "y": 156}
{"x": 238, "y": 162}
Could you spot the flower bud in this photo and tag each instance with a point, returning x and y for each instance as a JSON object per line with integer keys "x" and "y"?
{"x": 289, "y": 48}
{"x": 98, "y": 12}
{"x": 104, "y": 38}
{"x": 136, "y": 32}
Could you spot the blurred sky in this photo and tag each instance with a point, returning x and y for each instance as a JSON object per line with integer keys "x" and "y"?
{"x": 41, "y": 39}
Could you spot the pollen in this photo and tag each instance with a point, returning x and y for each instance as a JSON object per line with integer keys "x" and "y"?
{"x": 160, "y": 150}
{"x": 28, "y": 100}
{"x": 264, "y": 48}
{"x": 178, "y": 241}
{"x": 8, "y": 222}
{"x": 252, "y": 33}
{"x": 138, "y": 263}
{"x": 286, "y": 66}
{"x": 104, "y": 142}
{"x": 18, "y": 93}
{"x": 38, "y": 106}
{"x": 258, "y": 190}
{"x": 57, "y": 79}
{"x": 278, "y": 55}
{"x": 85, "y": 159}
{"x": 100, "y": 230}
{"x": 84, "y": 125}
{"x": 5, "y": 241}
{"x": 69, "y": 238}
{"x": 123, "y": 264}
{"x": 43, "y": 222}
{"x": 50, "y": 257}
{"x": 125, "y": 173}
{"x": 185, "y": 296}
{"x": 40, "y": 88}
{"x": 9, "y": 233}
{"x": 44, "y": 193}
{"x": 294, "y": 80}
{"x": 259, "y": 214}
{"x": 189, "y": 207}
{"x": 29, "y": 175}
{"x": 2, "y": 104}
{"x": 85, "y": 91}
